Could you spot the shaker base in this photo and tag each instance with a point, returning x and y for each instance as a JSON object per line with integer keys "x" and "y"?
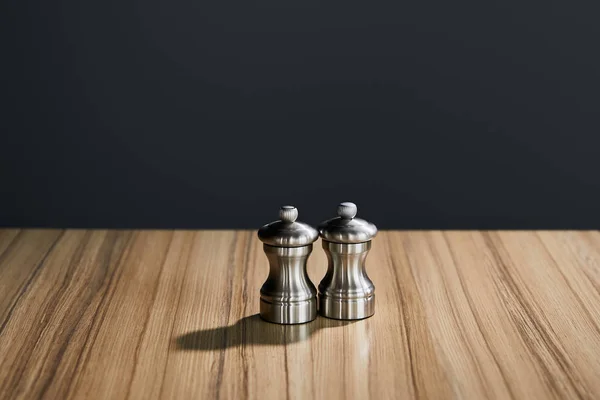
{"x": 346, "y": 309}
{"x": 287, "y": 314}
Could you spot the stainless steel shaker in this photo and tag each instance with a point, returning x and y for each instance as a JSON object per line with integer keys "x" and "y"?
{"x": 346, "y": 292}
{"x": 288, "y": 296}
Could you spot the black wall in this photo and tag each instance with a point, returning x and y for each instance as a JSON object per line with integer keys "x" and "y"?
{"x": 211, "y": 114}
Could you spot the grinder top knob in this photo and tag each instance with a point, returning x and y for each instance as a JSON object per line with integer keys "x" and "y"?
{"x": 345, "y": 228}
{"x": 287, "y": 232}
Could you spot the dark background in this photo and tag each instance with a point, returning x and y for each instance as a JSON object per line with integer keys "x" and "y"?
{"x": 212, "y": 114}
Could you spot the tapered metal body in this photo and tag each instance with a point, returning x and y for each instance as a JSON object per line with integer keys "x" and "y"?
{"x": 346, "y": 292}
{"x": 288, "y": 296}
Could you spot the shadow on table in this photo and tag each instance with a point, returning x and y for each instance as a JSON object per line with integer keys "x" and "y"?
{"x": 253, "y": 330}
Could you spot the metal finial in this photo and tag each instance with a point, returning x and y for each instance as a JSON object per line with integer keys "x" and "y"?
{"x": 288, "y": 214}
{"x": 347, "y": 210}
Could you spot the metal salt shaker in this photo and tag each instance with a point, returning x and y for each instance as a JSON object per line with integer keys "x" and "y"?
{"x": 288, "y": 296}
{"x": 346, "y": 292}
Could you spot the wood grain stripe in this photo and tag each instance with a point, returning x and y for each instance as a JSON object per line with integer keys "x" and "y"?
{"x": 479, "y": 325}
{"x": 534, "y": 330}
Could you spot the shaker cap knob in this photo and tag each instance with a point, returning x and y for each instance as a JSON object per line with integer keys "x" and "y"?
{"x": 287, "y": 232}
{"x": 347, "y": 210}
{"x": 288, "y": 213}
{"x": 346, "y": 228}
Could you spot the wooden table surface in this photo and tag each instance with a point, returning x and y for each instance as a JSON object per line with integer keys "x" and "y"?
{"x": 173, "y": 315}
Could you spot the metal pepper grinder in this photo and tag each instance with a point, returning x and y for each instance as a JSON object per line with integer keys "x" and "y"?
{"x": 288, "y": 296}
{"x": 346, "y": 292}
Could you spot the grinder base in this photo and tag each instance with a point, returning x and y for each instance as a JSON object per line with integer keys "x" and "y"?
{"x": 346, "y": 309}
{"x": 289, "y": 313}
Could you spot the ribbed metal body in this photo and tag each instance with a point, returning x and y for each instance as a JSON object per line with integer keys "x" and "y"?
{"x": 346, "y": 292}
{"x": 288, "y": 296}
